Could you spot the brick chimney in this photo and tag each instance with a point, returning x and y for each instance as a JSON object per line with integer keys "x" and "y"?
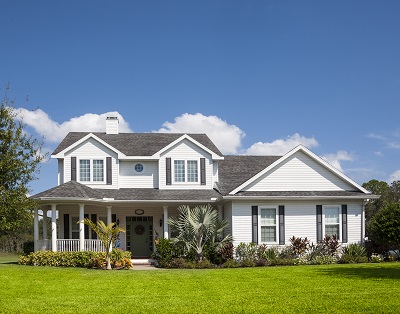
{"x": 112, "y": 125}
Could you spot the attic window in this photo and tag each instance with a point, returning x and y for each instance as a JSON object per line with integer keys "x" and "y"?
{"x": 138, "y": 167}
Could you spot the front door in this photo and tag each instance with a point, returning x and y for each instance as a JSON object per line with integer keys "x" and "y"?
{"x": 139, "y": 236}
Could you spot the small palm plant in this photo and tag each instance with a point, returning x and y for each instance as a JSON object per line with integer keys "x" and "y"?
{"x": 199, "y": 227}
{"x": 106, "y": 233}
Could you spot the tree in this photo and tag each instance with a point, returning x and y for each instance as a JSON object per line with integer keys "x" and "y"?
{"x": 385, "y": 226}
{"x": 373, "y": 206}
{"x": 107, "y": 235}
{"x": 199, "y": 227}
{"x": 19, "y": 163}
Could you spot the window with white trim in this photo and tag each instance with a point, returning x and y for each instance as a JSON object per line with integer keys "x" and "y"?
{"x": 268, "y": 224}
{"x": 332, "y": 220}
{"x": 186, "y": 171}
{"x": 91, "y": 170}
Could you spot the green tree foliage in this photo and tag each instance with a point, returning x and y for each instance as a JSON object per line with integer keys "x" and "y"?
{"x": 385, "y": 225}
{"x": 373, "y": 206}
{"x": 19, "y": 163}
{"x": 106, "y": 233}
{"x": 199, "y": 227}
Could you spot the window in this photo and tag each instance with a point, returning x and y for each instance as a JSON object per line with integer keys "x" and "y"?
{"x": 268, "y": 224}
{"x": 332, "y": 221}
{"x": 74, "y": 228}
{"x": 91, "y": 170}
{"x": 98, "y": 170}
{"x": 138, "y": 167}
{"x": 186, "y": 171}
{"x": 84, "y": 170}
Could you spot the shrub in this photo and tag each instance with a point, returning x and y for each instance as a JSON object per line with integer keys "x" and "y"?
{"x": 298, "y": 245}
{"x": 231, "y": 264}
{"x": 330, "y": 245}
{"x": 28, "y": 247}
{"x": 246, "y": 251}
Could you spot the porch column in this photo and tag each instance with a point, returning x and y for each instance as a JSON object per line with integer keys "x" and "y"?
{"x": 363, "y": 223}
{"x": 165, "y": 222}
{"x": 44, "y": 224}
{"x": 35, "y": 230}
{"x": 81, "y": 227}
{"x": 53, "y": 227}
{"x": 109, "y": 217}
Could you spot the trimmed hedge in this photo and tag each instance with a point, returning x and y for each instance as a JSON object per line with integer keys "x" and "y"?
{"x": 88, "y": 259}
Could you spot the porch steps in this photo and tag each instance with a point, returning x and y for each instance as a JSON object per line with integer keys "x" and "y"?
{"x": 143, "y": 261}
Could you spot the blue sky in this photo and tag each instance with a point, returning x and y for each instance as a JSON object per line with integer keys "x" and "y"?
{"x": 259, "y": 77}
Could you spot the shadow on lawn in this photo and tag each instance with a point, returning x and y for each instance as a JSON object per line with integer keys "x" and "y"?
{"x": 363, "y": 272}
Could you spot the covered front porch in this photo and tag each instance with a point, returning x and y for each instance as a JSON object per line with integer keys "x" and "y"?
{"x": 143, "y": 224}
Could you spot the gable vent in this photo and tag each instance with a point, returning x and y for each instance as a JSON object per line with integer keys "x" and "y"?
{"x": 112, "y": 125}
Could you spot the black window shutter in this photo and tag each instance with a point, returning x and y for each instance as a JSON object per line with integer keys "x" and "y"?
{"x": 93, "y": 218}
{"x": 113, "y": 217}
{"x": 66, "y": 226}
{"x": 281, "y": 224}
{"x": 86, "y": 227}
{"x": 168, "y": 169}
{"x": 73, "y": 168}
{"x": 319, "y": 223}
{"x": 344, "y": 223}
{"x": 254, "y": 222}
{"x": 108, "y": 170}
{"x": 203, "y": 171}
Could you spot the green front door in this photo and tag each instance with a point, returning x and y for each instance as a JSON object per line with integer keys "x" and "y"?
{"x": 139, "y": 236}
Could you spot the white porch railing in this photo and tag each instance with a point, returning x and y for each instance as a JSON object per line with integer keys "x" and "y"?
{"x": 72, "y": 245}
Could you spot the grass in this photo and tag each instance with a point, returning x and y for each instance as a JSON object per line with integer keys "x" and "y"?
{"x": 362, "y": 288}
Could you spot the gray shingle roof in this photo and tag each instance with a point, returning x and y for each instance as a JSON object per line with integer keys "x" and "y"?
{"x": 137, "y": 144}
{"x": 70, "y": 189}
{"x": 73, "y": 189}
{"x": 235, "y": 170}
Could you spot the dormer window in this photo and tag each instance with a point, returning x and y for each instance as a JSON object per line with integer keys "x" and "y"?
{"x": 91, "y": 170}
{"x": 186, "y": 171}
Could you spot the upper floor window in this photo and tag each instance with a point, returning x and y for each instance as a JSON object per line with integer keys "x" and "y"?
{"x": 332, "y": 221}
{"x": 186, "y": 171}
{"x": 91, "y": 170}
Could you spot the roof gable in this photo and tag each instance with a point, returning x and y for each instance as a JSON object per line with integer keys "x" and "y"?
{"x": 319, "y": 171}
{"x": 136, "y": 144}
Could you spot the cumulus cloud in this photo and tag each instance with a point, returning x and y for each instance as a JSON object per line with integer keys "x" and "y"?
{"x": 335, "y": 159}
{"x": 53, "y": 131}
{"x": 281, "y": 146}
{"x": 395, "y": 176}
{"x": 227, "y": 137}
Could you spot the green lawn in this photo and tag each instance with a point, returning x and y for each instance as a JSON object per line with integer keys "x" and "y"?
{"x": 363, "y": 288}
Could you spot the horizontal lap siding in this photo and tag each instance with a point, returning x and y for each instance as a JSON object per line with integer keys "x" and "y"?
{"x": 185, "y": 150}
{"x": 299, "y": 173}
{"x": 129, "y": 178}
{"x": 60, "y": 171}
{"x": 354, "y": 220}
{"x": 241, "y": 223}
{"x": 300, "y": 220}
{"x": 91, "y": 149}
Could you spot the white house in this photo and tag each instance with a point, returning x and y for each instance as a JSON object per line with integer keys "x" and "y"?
{"x": 140, "y": 179}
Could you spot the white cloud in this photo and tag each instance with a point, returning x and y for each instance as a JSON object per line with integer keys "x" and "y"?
{"x": 55, "y": 132}
{"x": 336, "y": 158}
{"x": 379, "y": 154}
{"x": 227, "y": 137}
{"x": 395, "y": 176}
{"x": 281, "y": 146}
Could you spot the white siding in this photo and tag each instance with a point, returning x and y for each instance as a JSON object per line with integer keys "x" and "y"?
{"x": 185, "y": 150}
{"x": 299, "y": 173}
{"x": 354, "y": 219}
{"x": 60, "y": 171}
{"x": 91, "y": 149}
{"x": 300, "y": 219}
{"x": 129, "y": 178}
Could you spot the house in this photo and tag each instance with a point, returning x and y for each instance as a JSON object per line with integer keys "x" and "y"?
{"x": 138, "y": 180}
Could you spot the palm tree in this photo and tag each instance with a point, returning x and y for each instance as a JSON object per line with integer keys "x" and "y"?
{"x": 198, "y": 227}
{"x": 106, "y": 233}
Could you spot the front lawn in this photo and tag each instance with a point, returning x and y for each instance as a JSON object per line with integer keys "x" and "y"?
{"x": 359, "y": 288}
